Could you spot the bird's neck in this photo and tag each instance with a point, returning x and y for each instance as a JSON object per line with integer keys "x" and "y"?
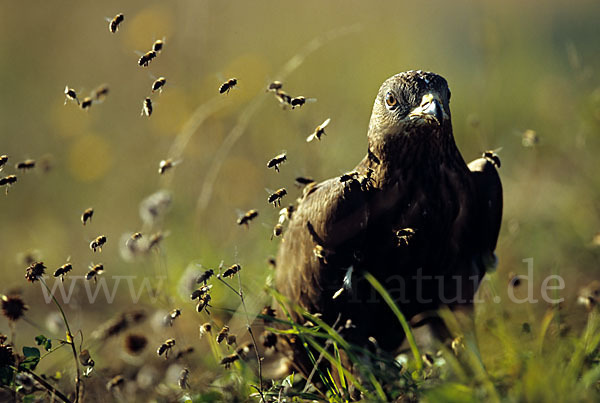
{"x": 417, "y": 155}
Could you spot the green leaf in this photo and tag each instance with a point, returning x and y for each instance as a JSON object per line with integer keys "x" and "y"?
{"x": 32, "y": 358}
{"x": 42, "y": 340}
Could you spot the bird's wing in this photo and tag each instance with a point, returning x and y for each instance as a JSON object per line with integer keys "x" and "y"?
{"x": 489, "y": 198}
{"x": 329, "y": 214}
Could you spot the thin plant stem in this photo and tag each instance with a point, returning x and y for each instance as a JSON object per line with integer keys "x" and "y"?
{"x": 328, "y": 342}
{"x": 46, "y": 385}
{"x": 69, "y": 340}
{"x": 401, "y": 318}
{"x": 240, "y": 294}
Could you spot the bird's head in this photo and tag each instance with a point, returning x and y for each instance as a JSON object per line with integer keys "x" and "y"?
{"x": 413, "y": 103}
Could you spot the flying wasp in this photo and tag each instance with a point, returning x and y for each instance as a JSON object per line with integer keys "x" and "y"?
{"x": 405, "y": 236}
{"x": 301, "y": 181}
{"x": 286, "y": 213}
{"x": 247, "y": 217}
{"x": 319, "y": 131}
{"x": 299, "y": 101}
{"x": 275, "y": 86}
{"x": 197, "y": 294}
{"x": 146, "y": 107}
{"x": 158, "y": 45}
{"x": 283, "y": 97}
{"x": 276, "y": 161}
{"x": 367, "y": 181}
{"x": 231, "y": 339}
{"x": 234, "y": 268}
{"x": 70, "y": 95}
{"x": 165, "y": 165}
{"x": 98, "y": 243}
{"x": 3, "y": 161}
{"x": 492, "y": 157}
{"x": 86, "y": 103}
{"x": 203, "y": 303}
{"x": 204, "y": 277}
{"x": 205, "y": 328}
{"x": 115, "y": 382}
{"x": 229, "y": 359}
{"x": 372, "y": 157}
{"x": 158, "y": 84}
{"x": 165, "y": 348}
{"x": 227, "y": 85}
{"x": 277, "y": 230}
{"x": 146, "y": 58}
{"x": 348, "y": 177}
{"x": 101, "y": 92}
{"x": 171, "y": 316}
{"x": 94, "y": 271}
{"x": 223, "y": 334}
{"x": 132, "y": 242}
{"x": 155, "y": 239}
{"x": 276, "y": 197}
{"x": 8, "y": 181}
{"x": 87, "y": 215}
{"x": 63, "y": 270}
{"x": 25, "y": 165}
{"x": 183, "y": 380}
{"x": 113, "y": 25}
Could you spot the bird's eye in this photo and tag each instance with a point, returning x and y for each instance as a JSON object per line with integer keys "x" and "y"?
{"x": 390, "y": 100}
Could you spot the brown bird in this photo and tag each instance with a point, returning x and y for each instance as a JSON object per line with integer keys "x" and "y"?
{"x": 425, "y": 226}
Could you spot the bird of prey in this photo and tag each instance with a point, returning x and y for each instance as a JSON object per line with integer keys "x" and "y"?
{"x": 412, "y": 213}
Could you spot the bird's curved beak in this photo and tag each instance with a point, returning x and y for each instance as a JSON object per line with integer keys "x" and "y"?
{"x": 430, "y": 107}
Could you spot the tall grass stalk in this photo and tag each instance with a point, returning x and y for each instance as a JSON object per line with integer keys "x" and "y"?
{"x": 401, "y": 318}
{"x": 69, "y": 340}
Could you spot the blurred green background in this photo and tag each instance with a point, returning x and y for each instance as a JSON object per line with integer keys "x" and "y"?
{"x": 512, "y": 66}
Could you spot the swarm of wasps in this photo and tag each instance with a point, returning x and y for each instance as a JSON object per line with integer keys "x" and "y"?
{"x": 96, "y": 96}
{"x": 22, "y": 166}
{"x": 102, "y": 91}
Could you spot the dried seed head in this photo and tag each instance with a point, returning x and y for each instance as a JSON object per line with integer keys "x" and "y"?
{"x": 267, "y": 313}
{"x": 35, "y": 271}
{"x": 13, "y": 307}
{"x": 269, "y": 339}
{"x": 135, "y": 343}
{"x": 7, "y": 357}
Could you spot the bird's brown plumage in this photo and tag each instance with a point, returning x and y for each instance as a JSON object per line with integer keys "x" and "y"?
{"x": 420, "y": 183}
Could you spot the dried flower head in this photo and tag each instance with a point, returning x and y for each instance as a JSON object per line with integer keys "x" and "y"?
{"x": 267, "y": 314}
{"x": 135, "y": 343}
{"x": 13, "y": 307}
{"x": 7, "y": 357}
{"x": 35, "y": 271}
{"x": 269, "y": 339}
